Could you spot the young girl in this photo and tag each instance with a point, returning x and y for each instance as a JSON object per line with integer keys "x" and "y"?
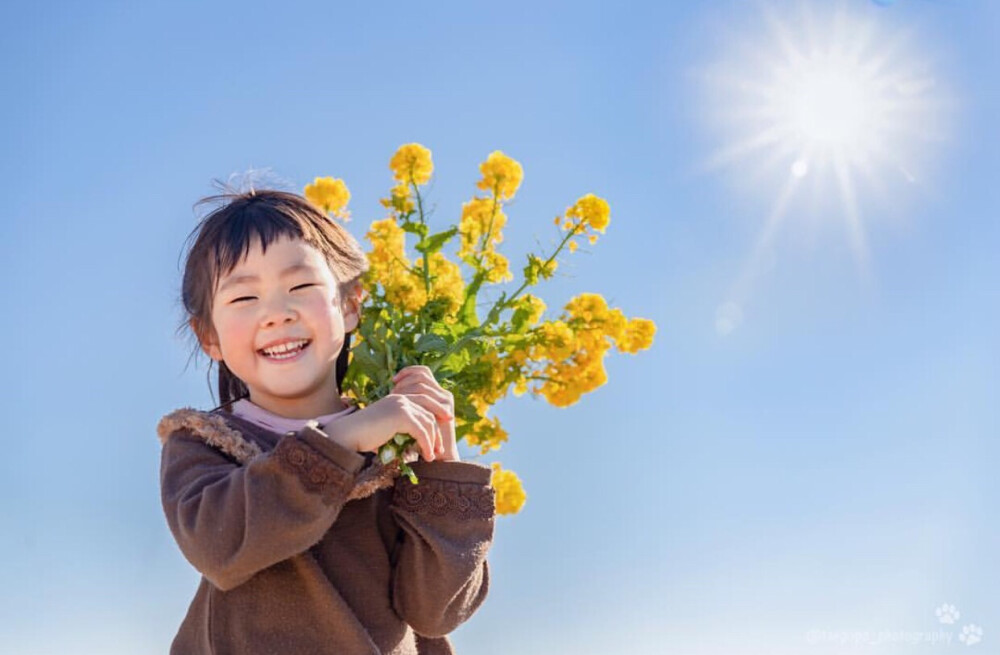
{"x": 306, "y": 542}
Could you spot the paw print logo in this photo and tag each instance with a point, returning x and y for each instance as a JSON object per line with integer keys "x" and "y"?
{"x": 971, "y": 635}
{"x": 947, "y": 613}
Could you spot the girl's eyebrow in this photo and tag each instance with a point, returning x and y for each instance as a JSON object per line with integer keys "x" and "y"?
{"x": 239, "y": 279}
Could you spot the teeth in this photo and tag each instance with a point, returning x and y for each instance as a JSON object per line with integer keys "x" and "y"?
{"x": 284, "y": 348}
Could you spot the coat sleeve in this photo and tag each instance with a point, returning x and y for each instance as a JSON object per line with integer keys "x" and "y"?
{"x": 233, "y": 520}
{"x": 440, "y": 574}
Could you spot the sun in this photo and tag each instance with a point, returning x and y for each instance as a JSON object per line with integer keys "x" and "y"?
{"x": 825, "y": 108}
{"x": 830, "y": 103}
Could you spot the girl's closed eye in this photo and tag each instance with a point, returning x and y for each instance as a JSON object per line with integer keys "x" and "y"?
{"x": 300, "y": 286}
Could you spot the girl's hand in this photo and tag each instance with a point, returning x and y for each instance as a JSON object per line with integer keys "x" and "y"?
{"x": 418, "y": 383}
{"x": 367, "y": 429}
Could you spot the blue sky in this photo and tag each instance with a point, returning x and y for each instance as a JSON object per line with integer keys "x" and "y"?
{"x": 823, "y": 461}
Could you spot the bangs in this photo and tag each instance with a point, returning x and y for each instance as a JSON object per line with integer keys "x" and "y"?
{"x": 246, "y": 225}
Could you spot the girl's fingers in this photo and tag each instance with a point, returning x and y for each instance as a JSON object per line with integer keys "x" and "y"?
{"x": 430, "y": 387}
{"x": 424, "y": 431}
{"x": 410, "y": 375}
{"x": 433, "y": 440}
{"x": 439, "y": 440}
{"x": 436, "y": 439}
{"x": 416, "y": 369}
{"x": 440, "y": 406}
{"x": 421, "y": 377}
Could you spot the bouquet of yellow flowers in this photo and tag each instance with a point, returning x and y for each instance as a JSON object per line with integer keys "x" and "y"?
{"x": 424, "y": 312}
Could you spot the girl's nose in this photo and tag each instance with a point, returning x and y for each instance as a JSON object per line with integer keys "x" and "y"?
{"x": 278, "y": 311}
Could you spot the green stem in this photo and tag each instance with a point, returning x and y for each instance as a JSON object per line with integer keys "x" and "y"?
{"x": 426, "y": 257}
{"x": 542, "y": 377}
{"x": 468, "y": 336}
{"x": 384, "y": 387}
{"x": 486, "y": 235}
{"x": 494, "y": 313}
{"x": 427, "y": 264}
{"x": 406, "y": 267}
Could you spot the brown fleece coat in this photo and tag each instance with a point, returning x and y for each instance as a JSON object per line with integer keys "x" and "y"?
{"x": 308, "y": 547}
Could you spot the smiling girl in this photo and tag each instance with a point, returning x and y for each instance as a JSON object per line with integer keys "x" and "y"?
{"x": 305, "y": 541}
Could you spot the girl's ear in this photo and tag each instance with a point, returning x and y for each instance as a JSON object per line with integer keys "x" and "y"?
{"x": 351, "y": 307}
{"x": 208, "y": 340}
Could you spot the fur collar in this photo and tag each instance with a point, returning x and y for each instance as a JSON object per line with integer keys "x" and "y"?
{"x": 216, "y": 432}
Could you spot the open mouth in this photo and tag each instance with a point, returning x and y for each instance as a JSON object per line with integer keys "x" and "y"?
{"x": 284, "y": 352}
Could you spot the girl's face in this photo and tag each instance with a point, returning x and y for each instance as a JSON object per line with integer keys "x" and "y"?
{"x": 287, "y": 296}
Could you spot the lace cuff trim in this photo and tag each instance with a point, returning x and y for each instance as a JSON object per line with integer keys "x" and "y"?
{"x": 434, "y": 497}
{"x": 318, "y": 474}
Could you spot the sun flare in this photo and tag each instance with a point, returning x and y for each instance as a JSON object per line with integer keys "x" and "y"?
{"x": 825, "y": 114}
{"x": 830, "y": 102}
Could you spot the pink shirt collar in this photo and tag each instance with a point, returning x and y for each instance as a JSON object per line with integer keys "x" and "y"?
{"x": 281, "y": 424}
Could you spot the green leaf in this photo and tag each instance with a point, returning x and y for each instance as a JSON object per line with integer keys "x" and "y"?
{"x": 467, "y": 313}
{"x": 466, "y": 411}
{"x": 431, "y": 343}
{"x": 365, "y": 362}
{"x": 520, "y": 318}
{"x": 390, "y": 361}
{"x": 531, "y": 270}
{"x": 367, "y": 327}
{"x": 415, "y": 228}
{"x": 434, "y": 242}
{"x": 455, "y": 362}
{"x": 435, "y": 310}
{"x": 462, "y": 430}
{"x": 408, "y": 472}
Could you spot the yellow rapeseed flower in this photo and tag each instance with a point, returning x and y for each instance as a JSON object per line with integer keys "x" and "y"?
{"x": 549, "y": 269}
{"x": 389, "y": 266}
{"x": 480, "y": 215}
{"x": 487, "y": 434}
{"x": 477, "y": 401}
{"x": 534, "y": 305}
{"x": 588, "y": 306}
{"x": 388, "y": 246}
{"x": 446, "y": 280}
{"x": 330, "y": 195}
{"x": 412, "y": 163}
{"x": 501, "y": 175}
{"x": 399, "y": 199}
{"x": 638, "y": 335}
{"x": 556, "y": 341}
{"x": 574, "y": 349}
{"x": 497, "y": 267}
{"x": 592, "y": 211}
{"x": 406, "y": 291}
{"x": 510, "y": 494}
{"x": 536, "y": 267}
{"x": 387, "y": 234}
{"x": 518, "y": 359}
{"x": 570, "y": 380}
